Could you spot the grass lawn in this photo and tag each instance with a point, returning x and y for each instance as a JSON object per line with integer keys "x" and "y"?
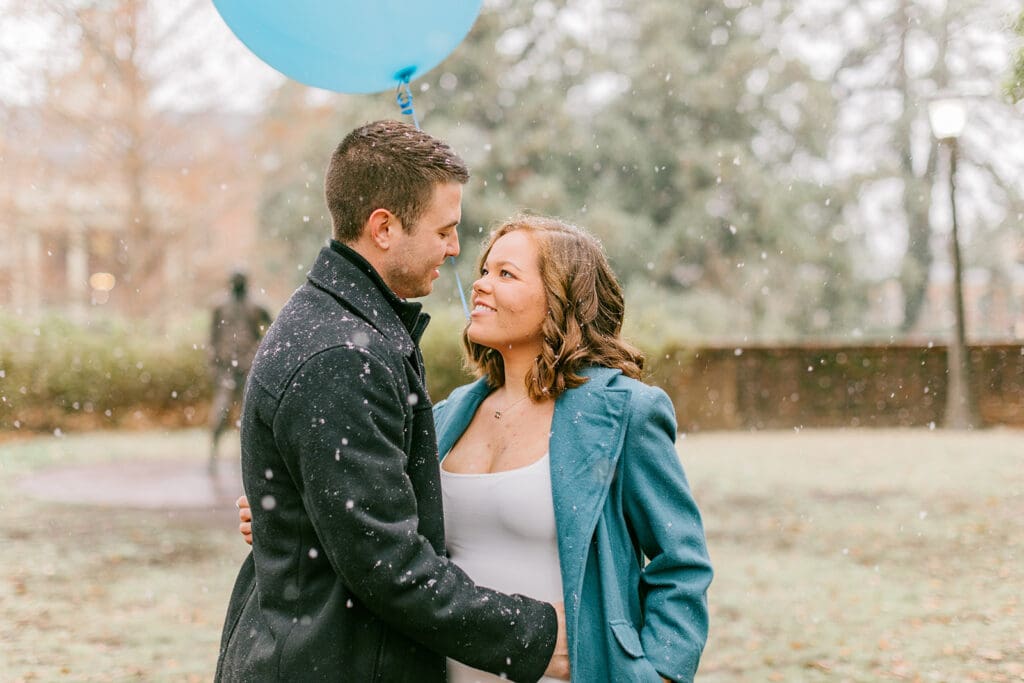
{"x": 839, "y": 556}
{"x": 109, "y": 594}
{"x": 863, "y": 555}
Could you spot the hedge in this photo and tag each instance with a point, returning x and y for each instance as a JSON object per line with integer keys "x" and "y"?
{"x": 57, "y": 374}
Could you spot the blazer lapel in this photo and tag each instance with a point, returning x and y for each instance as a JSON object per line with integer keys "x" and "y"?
{"x": 586, "y": 440}
{"x": 454, "y": 414}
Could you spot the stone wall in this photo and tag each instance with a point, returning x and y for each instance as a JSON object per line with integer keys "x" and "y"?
{"x": 834, "y": 386}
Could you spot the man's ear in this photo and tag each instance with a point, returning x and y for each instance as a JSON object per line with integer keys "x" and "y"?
{"x": 380, "y": 227}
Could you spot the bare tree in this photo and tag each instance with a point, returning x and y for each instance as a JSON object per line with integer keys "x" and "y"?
{"x": 896, "y": 58}
{"x": 129, "y": 100}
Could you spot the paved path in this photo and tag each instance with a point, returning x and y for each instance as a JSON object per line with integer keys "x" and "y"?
{"x": 164, "y": 484}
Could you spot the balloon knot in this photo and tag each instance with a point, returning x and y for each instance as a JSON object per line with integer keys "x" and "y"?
{"x": 403, "y": 94}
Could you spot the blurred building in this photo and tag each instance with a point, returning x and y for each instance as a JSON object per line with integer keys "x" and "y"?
{"x": 107, "y": 201}
{"x": 67, "y": 218}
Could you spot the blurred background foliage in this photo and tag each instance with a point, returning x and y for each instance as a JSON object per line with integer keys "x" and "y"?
{"x": 57, "y": 374}
{"x": 757, "y": 170}
{"x": 643, "y": 132}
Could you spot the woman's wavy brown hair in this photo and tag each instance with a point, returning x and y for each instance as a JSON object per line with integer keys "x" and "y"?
{"x": 585, "y": 312}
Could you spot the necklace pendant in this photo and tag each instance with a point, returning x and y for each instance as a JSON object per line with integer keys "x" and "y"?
{"x": 497, "y": 414}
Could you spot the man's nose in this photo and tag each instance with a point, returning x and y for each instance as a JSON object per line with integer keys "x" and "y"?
{"x": 453, "y": 244}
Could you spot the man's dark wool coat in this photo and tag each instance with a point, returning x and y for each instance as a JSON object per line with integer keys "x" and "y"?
{"x": 348, "y": 579}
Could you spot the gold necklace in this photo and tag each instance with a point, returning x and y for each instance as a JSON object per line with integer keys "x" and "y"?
{"x": 499, "y": 411}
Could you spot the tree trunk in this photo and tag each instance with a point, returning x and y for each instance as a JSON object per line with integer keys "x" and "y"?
{"x": 143, "y": 251}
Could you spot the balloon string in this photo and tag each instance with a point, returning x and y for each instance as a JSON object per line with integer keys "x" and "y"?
{"x": 458, "y": 284}
{"x": 403, "y": 97}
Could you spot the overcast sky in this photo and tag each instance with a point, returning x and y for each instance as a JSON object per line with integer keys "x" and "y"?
{"x": 241, "y": 80}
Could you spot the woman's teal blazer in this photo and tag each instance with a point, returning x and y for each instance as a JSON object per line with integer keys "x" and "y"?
{"x": 635, "y": 568}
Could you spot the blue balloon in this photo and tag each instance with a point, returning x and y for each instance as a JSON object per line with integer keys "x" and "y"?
{"x": 349, "y": 46}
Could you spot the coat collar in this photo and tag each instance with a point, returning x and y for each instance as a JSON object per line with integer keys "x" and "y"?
{"x": 346, "y": 275}
{"x": 587, "y": 432}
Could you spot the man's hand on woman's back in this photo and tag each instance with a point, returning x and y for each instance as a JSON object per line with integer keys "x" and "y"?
{"x": 559, "y": 665}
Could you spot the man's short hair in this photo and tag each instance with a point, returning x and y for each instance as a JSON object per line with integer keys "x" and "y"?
{"x": 386, "y": 165}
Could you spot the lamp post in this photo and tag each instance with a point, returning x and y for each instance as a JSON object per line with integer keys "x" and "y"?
{"x": 948, "y": 116}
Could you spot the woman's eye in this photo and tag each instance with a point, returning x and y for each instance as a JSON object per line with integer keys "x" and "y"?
{"x": 505, "y": 273}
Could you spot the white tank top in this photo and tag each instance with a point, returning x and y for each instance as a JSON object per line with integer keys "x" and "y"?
{"x": 500, "y": 529}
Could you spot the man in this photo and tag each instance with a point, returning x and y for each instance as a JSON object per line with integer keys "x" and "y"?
{"x": 235, "y": 332}
{"x": 348, "y": 580}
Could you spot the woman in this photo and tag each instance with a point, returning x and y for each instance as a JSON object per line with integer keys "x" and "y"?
{"x": 559, "y": 470}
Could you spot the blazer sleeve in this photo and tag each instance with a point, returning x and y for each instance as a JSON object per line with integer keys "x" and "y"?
{"x": 342, "y": 422}
{"x": 662, "y": 513}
